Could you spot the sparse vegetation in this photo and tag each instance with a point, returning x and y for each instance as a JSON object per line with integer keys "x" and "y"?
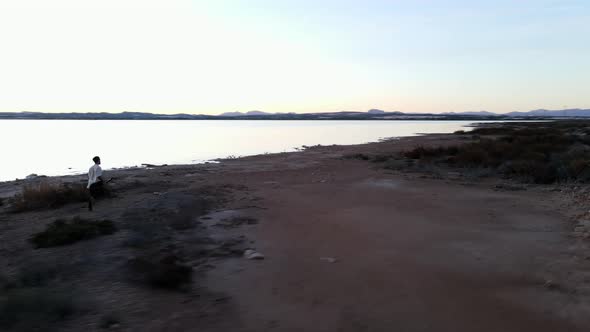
{"x": 160, "y": 271}
{"x": 62, "y": 232}
{"x": 30, "y": 300}
{"x": 530, "y": 152}
{"x": 35, "y": 309}
{"x": 359, "y": 156}
{"x": 159, "y": 263}
{"x": 34, "y": 274}
{"x": 237, "y": 221}
{"x": 45, "y": 195}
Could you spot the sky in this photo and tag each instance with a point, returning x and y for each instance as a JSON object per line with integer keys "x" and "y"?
{"x": 209, "y": 57}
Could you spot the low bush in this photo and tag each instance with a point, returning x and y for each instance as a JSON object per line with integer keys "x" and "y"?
{"x": 381, "y": 158}
{"x": 35, "y": 274}
{"x": 358, "y": 156}
{"x": 34, "y": 309}
{"x": 422, "y": 152}
{"x": 45, "y": 195}
{"x": 237, "y": 221}
{"x": 160, "y": 271}
{"x": 62, "y": 232}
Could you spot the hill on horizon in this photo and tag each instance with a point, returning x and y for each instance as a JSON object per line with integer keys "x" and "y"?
{"x": 375, "y": 114}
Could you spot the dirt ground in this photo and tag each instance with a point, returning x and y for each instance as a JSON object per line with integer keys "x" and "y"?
{"x": 348, "y": 246}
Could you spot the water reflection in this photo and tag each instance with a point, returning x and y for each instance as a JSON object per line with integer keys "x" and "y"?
{"x": 57, "y": 147}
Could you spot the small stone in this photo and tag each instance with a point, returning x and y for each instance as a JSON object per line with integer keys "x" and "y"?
{"x": 253, "y": 254}
{"x": 329, "y": 259}
{"x": 549, "y": 284}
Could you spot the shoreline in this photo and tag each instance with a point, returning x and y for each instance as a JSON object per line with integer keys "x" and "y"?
{"x": 217, "y": 161}
{"x": 469, "y": 125}
{"x": 348, "y": 245}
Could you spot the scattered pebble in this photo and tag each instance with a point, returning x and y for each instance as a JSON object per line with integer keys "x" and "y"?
{"x": 329, "y": 259}
{"x": 549, "y": 284}
{"x": 252, "y": 254}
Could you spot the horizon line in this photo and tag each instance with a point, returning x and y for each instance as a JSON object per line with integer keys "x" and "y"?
{"x": 238, "y": 113}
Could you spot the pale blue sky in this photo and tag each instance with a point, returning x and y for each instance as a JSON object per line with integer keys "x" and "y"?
{"x": 293, "y": 56}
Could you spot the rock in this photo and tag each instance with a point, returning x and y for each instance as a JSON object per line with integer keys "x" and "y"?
{"x": 549, "y": 284}
{"x": 329, "y": 259}
{"x": 31, "y": 176}
{"x": 252, "y": 254}
{"x": 454, "y": 175}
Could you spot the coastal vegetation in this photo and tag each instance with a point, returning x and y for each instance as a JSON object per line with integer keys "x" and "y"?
{"x": 540, "y": 153}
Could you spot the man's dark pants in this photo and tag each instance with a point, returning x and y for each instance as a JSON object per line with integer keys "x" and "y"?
{"x": 96, "y": 190}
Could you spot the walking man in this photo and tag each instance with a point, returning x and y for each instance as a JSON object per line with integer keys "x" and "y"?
{"x": 95, "y": 182}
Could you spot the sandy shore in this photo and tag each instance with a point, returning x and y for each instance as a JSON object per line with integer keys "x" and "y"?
{"x": 348, "y": 245}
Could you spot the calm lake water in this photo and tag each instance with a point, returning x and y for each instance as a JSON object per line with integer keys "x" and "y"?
{"x": 60, "y": 147}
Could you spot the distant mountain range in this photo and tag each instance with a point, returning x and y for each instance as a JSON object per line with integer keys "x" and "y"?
{"x": 571, "y": 112}
{"x": 104, "y": 116}
{"x": 373, "y": 114}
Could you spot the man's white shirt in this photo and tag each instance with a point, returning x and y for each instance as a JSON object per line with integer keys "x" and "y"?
{"x": 93, "y": 173}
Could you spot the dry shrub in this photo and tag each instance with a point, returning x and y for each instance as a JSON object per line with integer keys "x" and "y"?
{"x": 45, "y": 195}
{"x": 358, "y": 156}
{"x": 62, "y": 232}
{"x": 539, "y": 153}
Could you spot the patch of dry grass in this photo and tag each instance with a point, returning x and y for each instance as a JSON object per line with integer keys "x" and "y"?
{"x": 45, "y": 195}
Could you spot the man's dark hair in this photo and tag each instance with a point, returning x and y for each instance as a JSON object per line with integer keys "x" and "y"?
{"x": 96, "y": 159}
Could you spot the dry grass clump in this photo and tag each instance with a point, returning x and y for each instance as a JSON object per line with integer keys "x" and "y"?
{"x": 62, "y": 232}
{"x": 45, "y": 195}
